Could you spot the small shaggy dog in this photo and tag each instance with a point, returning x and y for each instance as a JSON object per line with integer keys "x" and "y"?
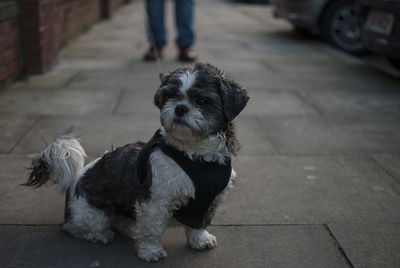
{"x": 179, "y": 176}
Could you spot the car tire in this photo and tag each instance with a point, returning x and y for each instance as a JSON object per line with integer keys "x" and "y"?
{"x": 340, "y": 28}
{"x": 395, "y": 62}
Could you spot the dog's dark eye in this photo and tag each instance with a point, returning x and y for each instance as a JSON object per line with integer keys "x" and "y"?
{"x": 201, "y": 101}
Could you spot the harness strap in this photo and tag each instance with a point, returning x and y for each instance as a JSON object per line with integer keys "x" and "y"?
{"x": 209, "y": 180}
{"x": 144, "y": 155}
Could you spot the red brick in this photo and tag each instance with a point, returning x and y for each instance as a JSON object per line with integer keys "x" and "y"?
{"x": 6, "y": 27}
{"x": 51, "y": 24}
{"x": 14, "y": 25}
{"x": 46, "y": 8}
{"x": 45, "y": 20}
{"x": 44, "y": 48}
{"x": 13, "y": 67}
{"x": 34, "y": 63}
{"x": 32, "y": 49}
{"x": 44, "y": 33}
{"x": 31, "y": 35}
{"x": 3, "y": 73}
{"x": 29, "y": 22}
{"x": 31, "y": 39}
{"x": 9, "y": 40}
{"x": 29, "y": 9}
{"x": 10, "y": 54}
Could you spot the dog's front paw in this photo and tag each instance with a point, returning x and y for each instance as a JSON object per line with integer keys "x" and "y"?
{"x": 201, "y": 239}
{"x": 151, "y": 253}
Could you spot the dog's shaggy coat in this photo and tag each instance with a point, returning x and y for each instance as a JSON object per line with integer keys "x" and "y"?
{"x": 197, "y": 106}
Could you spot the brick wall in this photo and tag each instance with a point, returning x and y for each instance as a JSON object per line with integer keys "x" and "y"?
{"x": 38, "y": 34}
{"x": 10, "y": 56}
{"x": 75, "y": 16}
{"x": 50, "y": 24}
{"x": 32, "y": 33}
{"x": 108, "y": 7}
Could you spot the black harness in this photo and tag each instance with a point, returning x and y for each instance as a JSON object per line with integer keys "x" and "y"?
{"x": 209, "y": 180}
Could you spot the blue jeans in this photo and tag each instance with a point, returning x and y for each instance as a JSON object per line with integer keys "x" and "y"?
{"x": 184, "y": 18}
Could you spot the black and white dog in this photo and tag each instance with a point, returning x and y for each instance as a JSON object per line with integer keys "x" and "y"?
{"x": 179, "y": 176}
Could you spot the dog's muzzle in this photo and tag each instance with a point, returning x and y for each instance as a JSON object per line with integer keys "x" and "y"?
{"x": 181, "y": 110}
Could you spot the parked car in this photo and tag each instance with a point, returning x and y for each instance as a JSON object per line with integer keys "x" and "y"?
{"x": 334, "y": 20}
{"x": 380, "y": 24}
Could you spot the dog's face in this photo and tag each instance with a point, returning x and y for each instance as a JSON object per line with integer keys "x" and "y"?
{"x": 198, "y": 101}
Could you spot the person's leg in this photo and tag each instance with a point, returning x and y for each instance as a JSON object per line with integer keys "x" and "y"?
{"x": 155, "y": 29}
{"x": 155, "y": 23}
{"x": 184, "y": 15}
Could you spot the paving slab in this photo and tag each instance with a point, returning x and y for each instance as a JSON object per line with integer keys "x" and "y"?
{"x": 214, "y": 49}
{"x": 281, "y": 42}
{"x": 26, "y": 205}
{"x": 101, "y": 48}
{"x": 225, "y": 46}
{"x": 258, "y": 246}
{"x": 149, "y": 80}
{"x": 249, "y": 68}
{"x": 52, "y": 79}
{"x": 82, "y": 64}
{"x": 60, "y": 101}
{"x": 252, "y": 137}
{"x": 134, "y": 102}
{"x": 369, "y": 244}
{"x": 97, "y": 134}
{"x": 391, "y": 163}
{"x": 334, "y": 135}
{"x": 370, "y": 83}
{"x": 232, "y": 21}
{"x": 278, "y": 103}
{"x": 19, "y": 100}
{"x": 272, "y": 81}
{"x": 312, "y": 67}
{"x": 13, "y": 128}
{"x": 140, "y": 69}
{"x": 356, "y": 100}
{"x": 262, "y": 13}
{"x": 313, "y": 189}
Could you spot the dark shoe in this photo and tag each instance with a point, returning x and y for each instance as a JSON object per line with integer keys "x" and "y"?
{"x": 152, "y": 54}
{"x": 187, "y": 54}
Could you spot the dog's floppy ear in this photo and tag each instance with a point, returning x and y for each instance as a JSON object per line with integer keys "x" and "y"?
{"x": 157, "y": 97}
{"x": 234, "y": 97}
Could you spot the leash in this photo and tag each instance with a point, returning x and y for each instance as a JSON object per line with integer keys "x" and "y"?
{"x": 153, "y": 44}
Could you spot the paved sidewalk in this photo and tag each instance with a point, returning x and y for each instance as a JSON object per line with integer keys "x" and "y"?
{"x": 319, "y": 172}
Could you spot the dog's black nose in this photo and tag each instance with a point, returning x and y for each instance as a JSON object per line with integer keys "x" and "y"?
{"x": 181, "y": 109}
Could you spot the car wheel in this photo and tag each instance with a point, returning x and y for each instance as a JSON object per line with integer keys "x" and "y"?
{"x": 395, "y": 62}
{"x": 339, "y": 27}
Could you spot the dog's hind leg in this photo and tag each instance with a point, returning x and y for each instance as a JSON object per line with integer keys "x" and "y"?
{"x": 88, "y": 223}
{"x": 124, "y": 225}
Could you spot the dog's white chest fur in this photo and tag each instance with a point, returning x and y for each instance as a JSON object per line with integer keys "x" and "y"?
{"x": 170, "y": 184}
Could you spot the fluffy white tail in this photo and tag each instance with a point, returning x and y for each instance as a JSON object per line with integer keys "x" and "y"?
{"x": 59, "y": 163}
